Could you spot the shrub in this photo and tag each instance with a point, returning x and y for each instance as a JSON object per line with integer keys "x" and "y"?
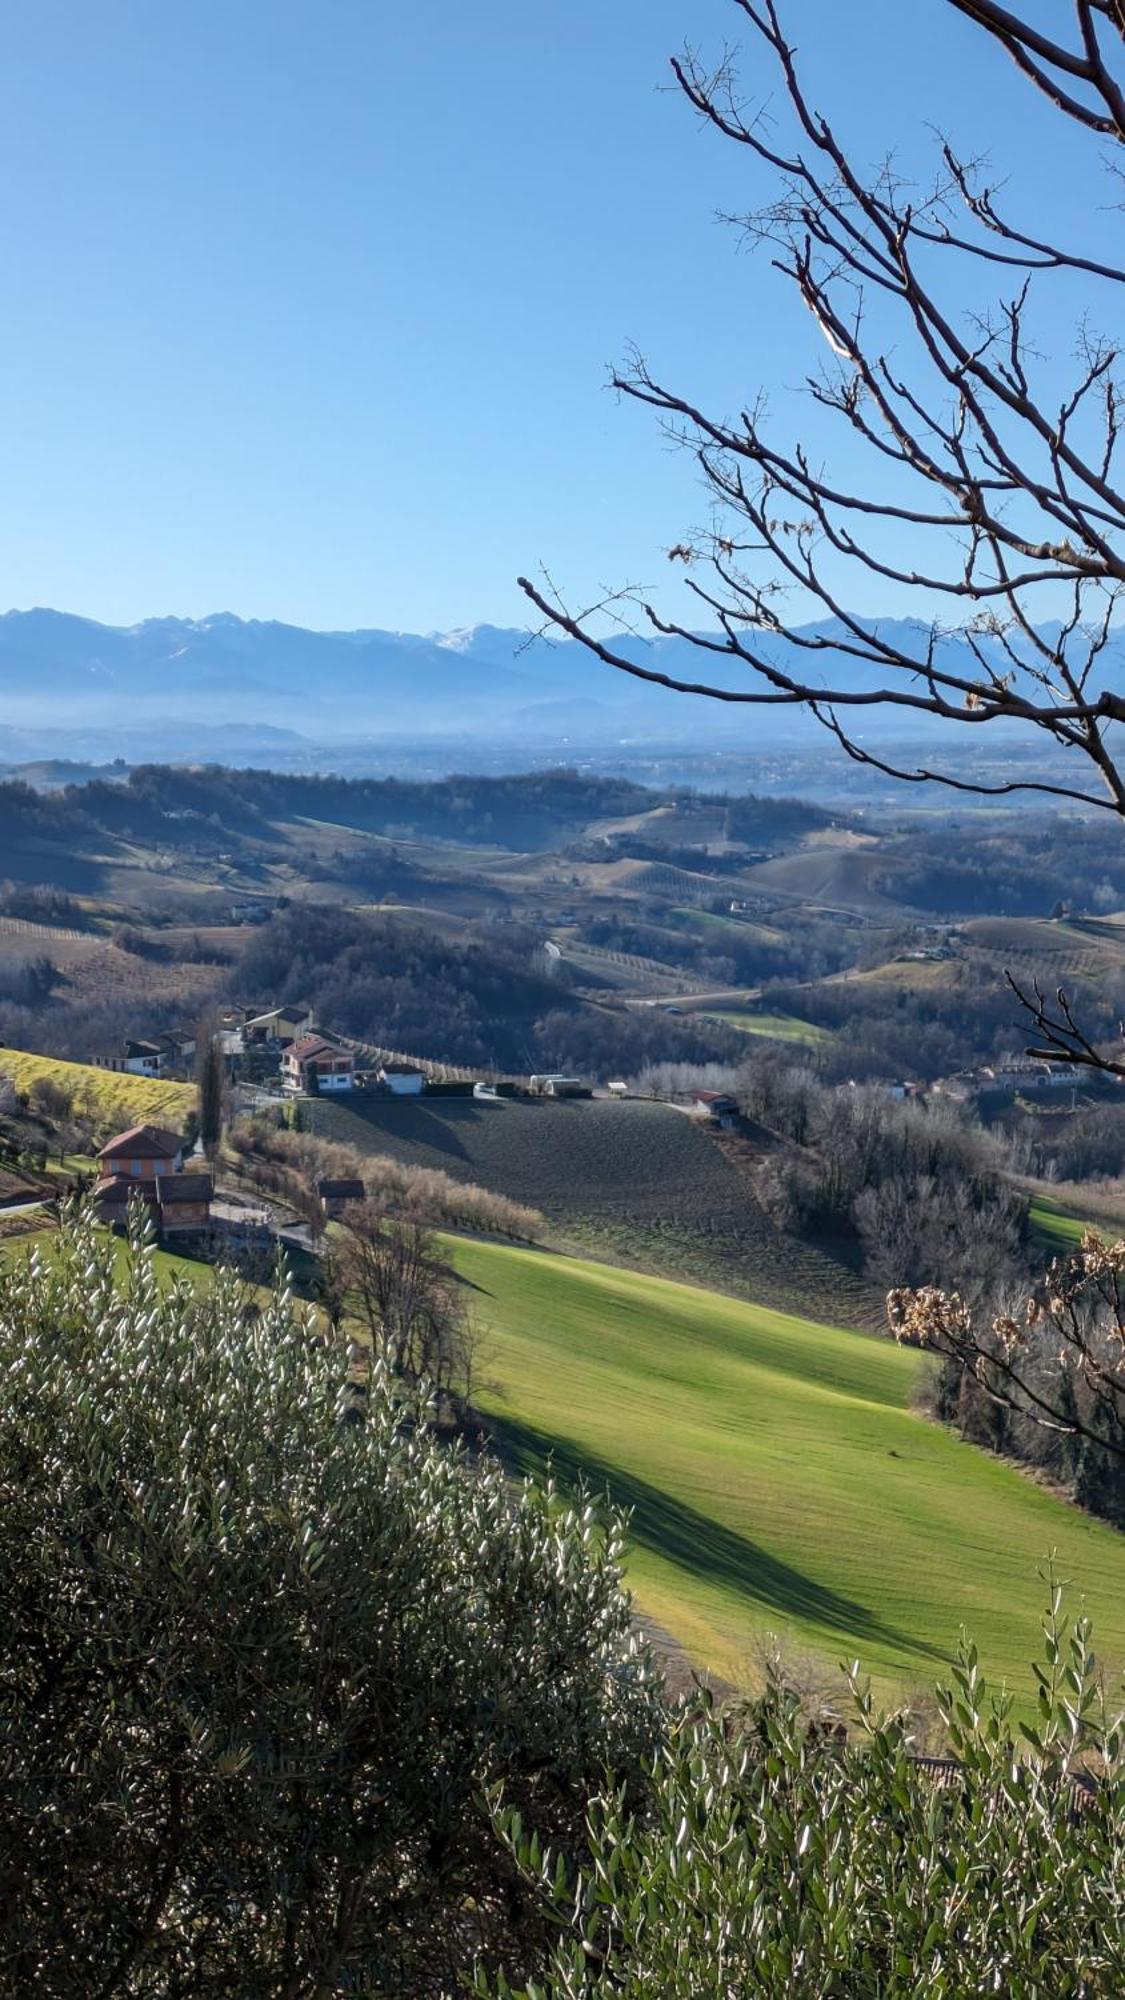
{"x": 288, "y": 1163}
{"x": 783, "y": 1861}
{"x": 262, "y": 1652}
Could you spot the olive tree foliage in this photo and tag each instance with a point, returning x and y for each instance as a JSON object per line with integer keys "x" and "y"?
{"x": 984, "y": 475}
{"x": 778, "y": 1862}
{"x": 262, "y": 1654}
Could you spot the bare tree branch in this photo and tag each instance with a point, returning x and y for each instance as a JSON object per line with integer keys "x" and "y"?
{"x": 1009, "y": 490}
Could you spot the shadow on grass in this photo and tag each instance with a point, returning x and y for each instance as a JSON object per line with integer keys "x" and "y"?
{"x": 701, "y": 1546}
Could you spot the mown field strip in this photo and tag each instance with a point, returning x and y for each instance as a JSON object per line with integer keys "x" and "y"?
{"x": 778, "y": 1478}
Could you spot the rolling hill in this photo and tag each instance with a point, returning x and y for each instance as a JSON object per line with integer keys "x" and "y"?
{"x": 777, "y": 1477}
{"x": 634, "y": 1180}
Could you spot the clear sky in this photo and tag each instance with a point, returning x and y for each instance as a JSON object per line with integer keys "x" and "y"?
{"x": 306, "y": 306}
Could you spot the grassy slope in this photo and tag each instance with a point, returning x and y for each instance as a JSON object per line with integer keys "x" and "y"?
{"x": 1060, "y": 1229}
{"x": 777, "y": 1477}
{"x": 778, "y": 1027}
{"x": 132, "y": 1099}
{"x": 1052, "y": 1228}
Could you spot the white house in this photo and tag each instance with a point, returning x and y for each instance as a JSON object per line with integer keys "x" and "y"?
{"x": 403, "y": 1079}
{"x": 135, "y": 1059}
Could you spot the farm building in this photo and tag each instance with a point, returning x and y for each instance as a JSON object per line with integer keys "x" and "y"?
{"x": 177, "y": 1202}
{"x": 559, "y": 1086}
{"x": 135, "y": 1059}
{"x": 144, "y": 1152}
{"x": 334, "y": 1195}
{"x": 402, "y": 1079}
{"x": 717, "y": 1105}
{"x": 313, "y": 1064}
{"x": 1011, "y": 1078}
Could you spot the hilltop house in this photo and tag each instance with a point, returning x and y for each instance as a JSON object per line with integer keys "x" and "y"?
{"x": 313, "y": 1064}
{"x": 135, "y": 1059}
{"x": 144, "y": 1152}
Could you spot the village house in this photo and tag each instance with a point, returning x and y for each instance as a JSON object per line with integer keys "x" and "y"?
{"x": 146, "y": 1163}
{"x": 135, "y": 1059}
{"x": 144, "y": 1152}
{"x": 312, "y": 1064}
{"x": 177, "y": 1202}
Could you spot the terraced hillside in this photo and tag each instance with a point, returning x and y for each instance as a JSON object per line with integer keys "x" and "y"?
{"x": 777, "y": 1478}
{"x": 1083, "y": 947}
{"x": 635, "y": 1180}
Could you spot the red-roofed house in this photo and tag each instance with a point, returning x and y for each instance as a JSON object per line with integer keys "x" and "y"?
{"x": 313, "y": 1064}
{"x": 143, "y": 1152}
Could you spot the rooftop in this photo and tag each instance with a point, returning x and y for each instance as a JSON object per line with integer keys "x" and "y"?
{"x": 143, "y": 1142}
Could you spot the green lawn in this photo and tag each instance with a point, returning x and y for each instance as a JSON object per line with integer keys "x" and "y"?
{"x": 777, "y": 1477}
{"x": 779, "y": 1027}
{"x": 1052, "y": 1228}
{"x": 1057, "y": 1231}
{"x": 170, "y": 1264}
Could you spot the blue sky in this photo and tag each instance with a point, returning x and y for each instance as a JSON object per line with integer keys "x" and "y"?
{"x": 306, "y": 309}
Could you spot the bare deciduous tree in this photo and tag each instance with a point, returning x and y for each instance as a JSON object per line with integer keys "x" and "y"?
{"x": 391, "y": 1274}
{"x": 1061, "y": 1362}
{"x": 1007, "y": 485}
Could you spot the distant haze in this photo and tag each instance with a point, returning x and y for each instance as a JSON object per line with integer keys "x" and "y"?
{"x": 245, "y": 689}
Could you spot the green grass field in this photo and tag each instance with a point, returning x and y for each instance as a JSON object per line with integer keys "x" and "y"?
{"x": 1052, "y": 1228}
{"x": 104, "y": 1093}
{"x": 1057, "y": 1230}
{"x": 777, "y": 1477}
{"x": 779, "y": 1027}
{"x": 170, "y": 1264}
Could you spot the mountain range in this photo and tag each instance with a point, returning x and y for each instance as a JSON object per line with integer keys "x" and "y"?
{"x": 242, "y": 689}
